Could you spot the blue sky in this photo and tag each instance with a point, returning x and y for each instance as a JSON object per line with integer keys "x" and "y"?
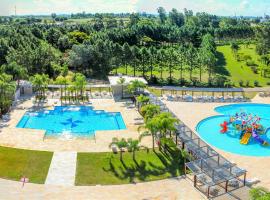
{"x": 219, "y": 7}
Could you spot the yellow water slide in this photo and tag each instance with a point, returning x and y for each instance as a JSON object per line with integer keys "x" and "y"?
{"x": 245, "y": 138}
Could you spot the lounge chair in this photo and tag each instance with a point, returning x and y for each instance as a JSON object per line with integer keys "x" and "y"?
{"x": 214, "y": 191}
{"x": 233, "y": 183}
{"x": 250, "y": 182}
{"x": 138, "y": 122}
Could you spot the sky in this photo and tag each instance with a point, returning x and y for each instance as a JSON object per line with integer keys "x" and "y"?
{"x": 218, "y": 7}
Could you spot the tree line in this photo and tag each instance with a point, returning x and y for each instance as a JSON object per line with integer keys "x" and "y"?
{"x": 174, "y": 41}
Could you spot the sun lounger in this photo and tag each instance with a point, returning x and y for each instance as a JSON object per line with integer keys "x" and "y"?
{"x": 138, "y": 122}
{"x": 250, "y": 182}
{"x": 233, "y": 183}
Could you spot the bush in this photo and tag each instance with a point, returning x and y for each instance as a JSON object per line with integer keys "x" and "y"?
{"x": 247, "y": 83}
{"x": 247, "y": 57}
{"x": 268, "y": 83}
{"x": 195, "y": 81}
{"x": 219, "y": 81}
{"x": 256, "y": 83}
{"x": 254, "y": 69}
{"x": 250, "y": 62}
{"x": 241, "y": 83}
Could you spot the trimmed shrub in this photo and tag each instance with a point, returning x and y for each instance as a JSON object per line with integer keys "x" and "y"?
{"x": 256, "y": 83}
{"x": 241, "y": 83}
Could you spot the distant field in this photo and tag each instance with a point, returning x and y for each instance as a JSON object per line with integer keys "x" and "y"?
{"x": 85, "y": 20}
{"x": 226, "y": 65}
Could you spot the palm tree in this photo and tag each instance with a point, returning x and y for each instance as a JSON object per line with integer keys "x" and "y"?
{"x": 122, "y": 81}
{"x": 166, "y": 123}
{"x": 133, "y": 146}
{"x": 121, "y": 145}
{"x": 80, "y": 83}
{"x": 135, "y": 86}
{"x": 142, "y": 100}
{"x": 61, "y": 80}
{"x": 40, "y": 82}
{"x": 149, "y": 111}
{"x": 151, "y": 127}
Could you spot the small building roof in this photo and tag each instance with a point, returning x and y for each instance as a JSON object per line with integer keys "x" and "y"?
{"x": 114, "y": 79}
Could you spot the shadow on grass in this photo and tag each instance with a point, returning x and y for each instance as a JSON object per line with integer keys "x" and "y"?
{"x": 220, "y": 67}
{"x": 147, "y": 170}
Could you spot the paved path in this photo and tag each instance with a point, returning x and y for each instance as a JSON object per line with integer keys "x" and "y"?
{"x": 62, "y": 169}
{"x": 168, "y": 189}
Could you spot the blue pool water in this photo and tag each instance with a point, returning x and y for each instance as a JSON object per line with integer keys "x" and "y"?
{"x": 209, "y": 130}
{"x": 72, "y": 121}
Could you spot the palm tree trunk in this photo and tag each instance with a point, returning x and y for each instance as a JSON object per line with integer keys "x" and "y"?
{"x": 153, "y": 142}
{"x": 133, "y": 154}
{"x": 200, "y": 73}
{"x": 121, "y": 155}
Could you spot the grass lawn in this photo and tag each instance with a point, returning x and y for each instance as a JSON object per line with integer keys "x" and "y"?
{"x": 106, "y": 168}
{"x": 239, "y": 70}
{"x": 15, "y": 163}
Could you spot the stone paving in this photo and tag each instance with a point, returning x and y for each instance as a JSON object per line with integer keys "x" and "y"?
{"x": 62, "y": 169}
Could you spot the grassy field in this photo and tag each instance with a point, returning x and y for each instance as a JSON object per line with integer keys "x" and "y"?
{"x": 106, "y": 168}
{"x": 227, "y": 65}
{"x": 15, "y": 163}
{"x": 239, "y": 70}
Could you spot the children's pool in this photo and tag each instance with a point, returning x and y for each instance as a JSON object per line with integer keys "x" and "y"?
{"x": 209, "y": 130}
{"x": 72, "y": 121}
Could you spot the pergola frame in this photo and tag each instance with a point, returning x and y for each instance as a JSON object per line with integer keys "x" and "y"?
{"x": 206, "y": 161}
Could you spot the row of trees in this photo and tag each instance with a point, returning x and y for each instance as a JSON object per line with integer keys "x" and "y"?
{"x": 72, "y": 85}
{"x": 7, "y": 90}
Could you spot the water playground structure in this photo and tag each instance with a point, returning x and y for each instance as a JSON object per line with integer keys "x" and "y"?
{"x": 248, "y": 126}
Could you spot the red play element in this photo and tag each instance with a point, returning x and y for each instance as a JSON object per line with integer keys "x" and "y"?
{"x": 224, "y": 127}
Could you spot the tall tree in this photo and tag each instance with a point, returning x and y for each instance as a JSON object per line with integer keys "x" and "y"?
{"x": 162, "y": 14}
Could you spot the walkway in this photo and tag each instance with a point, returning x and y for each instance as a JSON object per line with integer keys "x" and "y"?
{"x": 168, "y": 189}
{"x": 62, "y": 169}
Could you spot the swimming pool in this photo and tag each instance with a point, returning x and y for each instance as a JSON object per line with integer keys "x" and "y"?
{"x": 209, "y": 130}
{"x": 72, "y": 121}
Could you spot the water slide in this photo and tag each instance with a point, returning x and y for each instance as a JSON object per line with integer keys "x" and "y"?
{"x": 257, "y": 138}
{"x": 245, "y": 138}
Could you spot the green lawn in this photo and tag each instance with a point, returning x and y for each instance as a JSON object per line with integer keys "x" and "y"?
{"x": 106, "y": 168}
{"x": 239, "y": 70}
{"x": 15, "y": 163}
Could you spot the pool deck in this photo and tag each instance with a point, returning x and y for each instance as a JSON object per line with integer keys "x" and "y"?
{"x": 192, "y": 113}
{"x": 11, "y": 136}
